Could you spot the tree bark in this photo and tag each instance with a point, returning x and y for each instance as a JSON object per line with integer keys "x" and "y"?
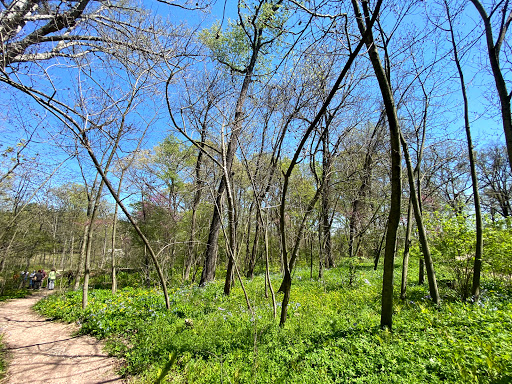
{"x": 288, "y": 264}
{"x": 210, "y": 257}
{"x": 493, "y": 51}
{"x": 396, "y": 167}
{"x": 475, "y": 291}
{"x": 431, "y": 276}
{"x": 405, "y": 263}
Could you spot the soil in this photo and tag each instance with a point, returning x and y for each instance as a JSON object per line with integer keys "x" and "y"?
{"x": 42, "y": 351}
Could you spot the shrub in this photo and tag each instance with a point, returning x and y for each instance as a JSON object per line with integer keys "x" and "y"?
{"x": 331, "y": 335}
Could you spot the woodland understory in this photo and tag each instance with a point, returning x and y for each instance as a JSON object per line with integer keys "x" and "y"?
{"x": 334, "y": 175}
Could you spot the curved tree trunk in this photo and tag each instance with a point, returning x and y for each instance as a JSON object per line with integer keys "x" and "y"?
{"x": 210, "y": 257}
{"x": 476, "y": 195}
{"x": 288, "y": 263}
{"x": 85, "y": 143}
{"x": 396, "y": 166}
{"x": 493, "y": 51}
{"x": 431, "y": 276}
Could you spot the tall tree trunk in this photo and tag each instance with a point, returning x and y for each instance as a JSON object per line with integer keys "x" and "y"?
{"x": 405, "y": 263}
{"x": 87, "y": 260}
{"x": 71, "y": 255}
{"x": 104, "y": 249}
{"x": 475, "y": 291}
{"x": 325, "y": 257}
{"x": 396, "y": 166}
{"x": 232, "y": 247}
{"x": 493, "y": 51}
{"x": 267, "y": 272}
{"x": 210, "y": 258}
{"x": 83, "y": 249}
{"x": 191, "y": 256}
{"x": 288, "y": 264}
{"x": 113, "y": 239}
{"x": 86, "y": 144}
{"x": 379, "y": 249}
{"x": 421, "y": 270}
{"x": 432, "y": 283}
{"x": 254, "y": 249}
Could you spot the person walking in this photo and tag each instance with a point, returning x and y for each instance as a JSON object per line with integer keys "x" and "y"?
{"x": 43, "y": 272}
{"x": 32, "y": 279}
{"x": 39, "y": 279}
{"x": 52, "y": 276}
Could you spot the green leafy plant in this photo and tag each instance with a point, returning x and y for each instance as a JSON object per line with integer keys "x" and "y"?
{"x": 3, "y": 365}
{"x": 331, "y": 336}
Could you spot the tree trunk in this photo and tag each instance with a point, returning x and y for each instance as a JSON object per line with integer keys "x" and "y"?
{"x": 379, "y": 249}
{"x": 289, "y": 264}
{"x": 87, "y": 261}
{"x": 104, "y": 249}
{"x": 267, "y": 273}
{"x": 114, "y": 232}
{"x": 210, "y": 257}
{"x": 476, "y": 195}
{"x": 432, "y": 283}
{"x": 83, "y": 250}
{"x": 254, "y": 250}
{"x": 85, "y": 142}
{"x": 232, "y": 247}
{"x": 197, "y": 199}
{"x": 493, "y": 51}
{"x": 405, "y": 264}
{"x": 396, "y": 167}
{"x": 325, "y": 257}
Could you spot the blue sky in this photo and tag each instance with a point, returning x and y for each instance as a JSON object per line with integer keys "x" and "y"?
{"x": 485, "y": 129}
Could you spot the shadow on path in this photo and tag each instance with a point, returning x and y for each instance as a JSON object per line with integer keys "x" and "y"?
{"x": 43, "y": 351}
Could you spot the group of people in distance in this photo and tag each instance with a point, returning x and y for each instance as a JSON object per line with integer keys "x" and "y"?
{"x": 36, "y": 279}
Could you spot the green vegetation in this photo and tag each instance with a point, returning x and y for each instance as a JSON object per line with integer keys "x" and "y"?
{"x": 14, "y": 293}
{"x": 3, "y": 365}
{"x": 165, "y": 147}
{"x": 331, "y": 336}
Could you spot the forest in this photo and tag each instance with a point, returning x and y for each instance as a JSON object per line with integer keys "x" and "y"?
{"x": 265, "y": 190}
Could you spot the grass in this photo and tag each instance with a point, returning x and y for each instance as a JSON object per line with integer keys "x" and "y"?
{"x": 14, "y": 294}
{"x": 3, "y": 365}
{"x": 331, "y": 335}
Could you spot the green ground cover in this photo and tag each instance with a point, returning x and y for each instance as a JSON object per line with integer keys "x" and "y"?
{"x": 2, "y": 360}
{"x": 331, "y": 336}
{"x": 14, "y": 294}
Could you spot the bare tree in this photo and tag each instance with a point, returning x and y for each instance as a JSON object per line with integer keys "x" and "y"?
{"x": 365, "y": 28}
{"x": 495, "y": 52}
{"x": 260, "y": 30}
{"x": 472, "y": 162}
{"x": 289, "y": 258}
{"x": 496, "y": 180}
{"x": 87, "y": 38}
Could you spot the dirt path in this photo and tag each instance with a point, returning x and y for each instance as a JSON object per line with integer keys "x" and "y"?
{"x": 41, "y": 351}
